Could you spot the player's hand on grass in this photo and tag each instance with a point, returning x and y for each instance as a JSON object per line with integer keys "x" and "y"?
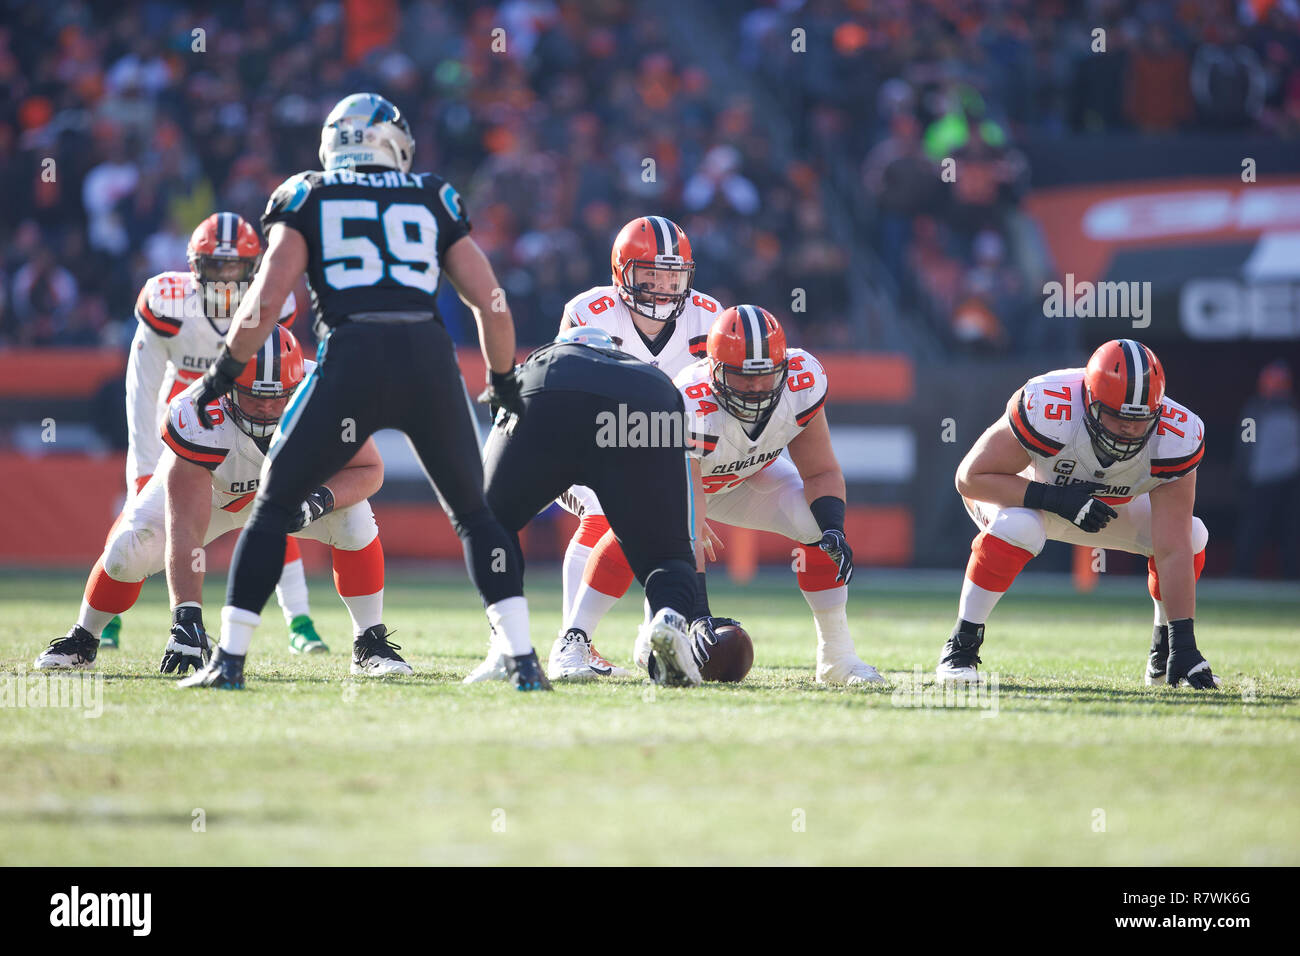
{"x": 187, "y": 646}
{"x": 1186, "y": 662}
{"x": 837, "y": 547}
{"x": 1075, "y": 503}
{"x": 318, "y": 504}
{"x": 502, "y": 392}
{"x": 704, "y": 635}
{"x": 216, "y": 381}
{"x": 712, "y": 543}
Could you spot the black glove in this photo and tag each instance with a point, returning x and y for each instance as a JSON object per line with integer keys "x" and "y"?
{"x": 704, "y": 635}
{"x": 217, "y": 381}
{"x": 1074, "y": 503}
{"x": 318, "y": 504}
{"x": 836, "y": 545}
{"x": 1186, "y": 663}
{"x": 188, "y": 645}
{"x": 502, "y": 392}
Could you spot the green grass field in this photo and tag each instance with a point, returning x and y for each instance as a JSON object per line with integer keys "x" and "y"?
{"x": 1078, "y": 763}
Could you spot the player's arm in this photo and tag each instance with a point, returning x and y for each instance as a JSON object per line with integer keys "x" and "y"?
{"x": 258, "y": 313}
{"x": 824, "y": 490}
{"x": 354, "y": 482}
{"x": 1171, "y": 540}
{"x": 990, "y": 470}
{"x": 145, "y": 370}
{"x": 471, "y": 273}
{"x": 189, "y": 507}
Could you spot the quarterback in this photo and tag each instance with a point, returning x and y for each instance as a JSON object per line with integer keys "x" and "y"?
{"x": 1100, "y": 457}
{"x": 652, "y": 313}
{"x": 202, "y": 488}
{"x": 182, "y": 317}
{"x": 748, "y": 401}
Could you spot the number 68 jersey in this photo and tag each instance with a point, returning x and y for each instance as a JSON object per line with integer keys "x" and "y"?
{"x": 1047, "y": 417}
{"x": 727, "y": 453}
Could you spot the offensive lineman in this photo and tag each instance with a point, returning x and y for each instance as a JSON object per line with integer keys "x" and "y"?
{"x": 182, "y": 317}
{"x": 200, "y": 491}
{"x": 374, "y": 240}
{"x": 652, "y": 313}
{"x": 1099, "y": 457}
{"x": 747, "y": 402}
{"x": 571, "y": 391}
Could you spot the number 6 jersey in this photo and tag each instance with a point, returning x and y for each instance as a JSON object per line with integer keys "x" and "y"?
{"x": 1046, "y": 416}
{"x": 375, "y": 237}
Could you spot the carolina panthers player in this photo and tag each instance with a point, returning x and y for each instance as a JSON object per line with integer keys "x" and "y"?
{"x": 374, "y": 239}
{"x": 182, "y": 317}
{"x": 204, "y": 483}
{"x": 1101, "y": 457}
{"x": 750, "y": 400}
{"x": 652, "y": 312}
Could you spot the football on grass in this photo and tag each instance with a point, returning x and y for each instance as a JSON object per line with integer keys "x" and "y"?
{"x": 731, "y": 658}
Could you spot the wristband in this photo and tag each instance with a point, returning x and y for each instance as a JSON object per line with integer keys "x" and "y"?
{"x": 1182, "y": 636}
{"x": 828, "y": 512}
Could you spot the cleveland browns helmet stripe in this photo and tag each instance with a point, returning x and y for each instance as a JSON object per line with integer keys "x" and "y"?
{"x": 665, "y": 235}
{"x": 1124, "y": 380}
{"x": 1138, "y": 370}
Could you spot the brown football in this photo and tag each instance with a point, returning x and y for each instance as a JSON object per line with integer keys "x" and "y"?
{"x": 731, "y": 658}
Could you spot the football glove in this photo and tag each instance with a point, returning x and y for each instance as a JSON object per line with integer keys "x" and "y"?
{"x": 502, "y": 392}
{"x": 188, "y": 644}
{"x": 318, "y": 504}
{"x": 1185, "y": 662}
{"x": 836, "y": 545}
{"x": 217, "y": 381}
{"x": 704, "y": 635}
{"x": 1074, "y": 503}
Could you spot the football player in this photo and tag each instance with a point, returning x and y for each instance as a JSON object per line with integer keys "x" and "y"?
{"x": 652, "y": 312}
{"x": 205, "y": 481}
{"x": 1099, "y": 457}
{"x": 182, "y": 317}
{"x": 748, "y": 401}
{"x": 374, "y": 239}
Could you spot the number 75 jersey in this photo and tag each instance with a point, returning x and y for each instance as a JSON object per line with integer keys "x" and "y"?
{"x": 727, "y": 453}
{"x": 1047, "y": 417}
{"x": 375, "y": 240}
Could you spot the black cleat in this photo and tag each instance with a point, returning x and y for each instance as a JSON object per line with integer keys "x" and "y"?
{"x": 224, "y": 672}
{"x": 1158, "y": 659}
{"x": 526, "y": 672}
{"x": 77, "y": 650}
{"x": 374, "y": 655}
{"x": 959, "y": 662}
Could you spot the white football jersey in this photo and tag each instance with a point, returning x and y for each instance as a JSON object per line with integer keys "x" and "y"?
{"x": 602, "y": 307}
{"x": 728, "y": 455}
{"x": 1047, "y": 416}
{"x": 173, "y": 346}
{"x": 234, "y": 459}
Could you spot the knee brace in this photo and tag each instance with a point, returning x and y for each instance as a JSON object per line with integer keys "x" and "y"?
{"x": 1021, "y": 527}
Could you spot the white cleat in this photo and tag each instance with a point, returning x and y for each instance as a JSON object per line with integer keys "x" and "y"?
{"x": 603, "y": 667}
{"x": 76, "y": 651}
{"x": 573, "y": 658}
{"x": 670, "y": 646}
{"x": 641, "y": 649}
{"x": 492, "y": 667}
{"x": 374, "y": 655}
{"x": 847, "y": 671}
{"x": 958, "y": 675}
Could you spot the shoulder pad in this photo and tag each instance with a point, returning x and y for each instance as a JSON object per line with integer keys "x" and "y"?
{"x": 289, "y": 195}
{"x": 1178, "y": 445}
{"x": 451, "y": 201}
{"x": 586, "y": 308}
{"x": 161, "y": 303}
{"x": 1044, "y": 413}
{"x": 702, "y": 409}
{"x": 706, "y": 309}
{"x": 807, "y": 384}
{"x": 183, "y": 434}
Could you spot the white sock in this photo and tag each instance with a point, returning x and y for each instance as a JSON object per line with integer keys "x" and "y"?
{"x": 830, "y": 615}
{"x": 237, "y": 626}
{"x": 589, "y": 609}
{"x": 1162, "y": 616}
{"x": 292, "y": 591}
{"x": 976, "y": 603}
{"x": 366, "y": 610}
{"x": 509, "y": 620}
{"x": 575, "y": 560}
{"x": 92, "y": 620}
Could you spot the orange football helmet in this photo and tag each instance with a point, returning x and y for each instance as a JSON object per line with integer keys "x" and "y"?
{"x": 652, "y": 267}
{"x": 223, "y": 254}
{"x": 746, "y": 349}
{"x": 1124, "y": 379}
{"x": 263, "y": 388}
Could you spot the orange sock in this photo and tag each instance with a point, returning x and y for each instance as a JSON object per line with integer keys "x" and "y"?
{"x": 590, "y": 530}
{"x": 292, "y": 552}
{"x": 359, "y": 572}
{"x": 607, "y": 570}
{"x": 109, "y": 595}
{"x": 1153, "y": 579}
{"x": 994, "y": 563}
{"x": 819, "y": 570}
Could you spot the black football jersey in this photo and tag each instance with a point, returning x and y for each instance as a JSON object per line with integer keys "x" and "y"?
{"x": 375, "y": 237}
{"x": 570, "y": 366}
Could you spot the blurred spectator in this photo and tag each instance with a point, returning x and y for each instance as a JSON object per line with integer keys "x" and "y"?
{"x": 1268, "y": 474}
{"x": 1156, "y": 95}
{"x": 1227, "y": 79}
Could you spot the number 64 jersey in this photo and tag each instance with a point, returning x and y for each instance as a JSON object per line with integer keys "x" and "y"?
{"x": 728, "y": 455}
{"x": 1047, "y": 417}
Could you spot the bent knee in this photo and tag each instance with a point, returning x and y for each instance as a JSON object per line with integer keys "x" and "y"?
{"x": 1022, "y": 527}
